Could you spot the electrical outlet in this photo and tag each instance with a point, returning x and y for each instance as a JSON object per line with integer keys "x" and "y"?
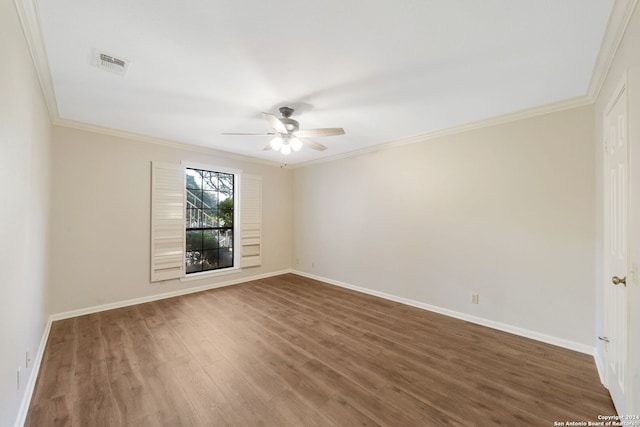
{"x": 297, "y": 261}
{"x": 475, "y": 298}
{"x": 313, "y": 264}
{"x": 27, "y": 359}
{"x": 18, "y": 378}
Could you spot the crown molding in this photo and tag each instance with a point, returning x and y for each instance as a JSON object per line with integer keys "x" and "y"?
{"x": 621, "y": 14}
{"x": 566, "y": 104}
{"x": 136, "y": 137}
{"x": 30, "y": 21}
{"x": 619, "y": 18}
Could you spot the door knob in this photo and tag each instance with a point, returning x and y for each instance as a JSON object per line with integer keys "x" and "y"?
{"x": 616, "y": 280}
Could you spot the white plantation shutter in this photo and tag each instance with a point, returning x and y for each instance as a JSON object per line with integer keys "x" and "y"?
{"x": 250, "y": 220}
{"x": 167, "y": 221}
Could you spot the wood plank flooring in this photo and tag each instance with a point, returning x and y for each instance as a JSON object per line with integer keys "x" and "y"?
{"x": 291, "y": 351}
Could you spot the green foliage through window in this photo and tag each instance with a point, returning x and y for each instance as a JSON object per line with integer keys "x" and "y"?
{"x": 209, "y": 220}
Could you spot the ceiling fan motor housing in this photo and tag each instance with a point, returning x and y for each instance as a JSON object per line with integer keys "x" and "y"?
{"x": 286, "y": 111}
{"x": 290, "y": 124}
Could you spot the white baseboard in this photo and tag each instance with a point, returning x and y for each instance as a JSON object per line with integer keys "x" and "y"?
{"x": 549, "y": 339}
{"x": 156, "y": 297}
{"x": 28, "y": 394}
{"x": 31, "y": 384}
{"x": 599, "y": 364}
{"x": 24, "y": 406}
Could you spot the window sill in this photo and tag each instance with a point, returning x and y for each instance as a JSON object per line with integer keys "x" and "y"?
{"x": 209, "y": 274}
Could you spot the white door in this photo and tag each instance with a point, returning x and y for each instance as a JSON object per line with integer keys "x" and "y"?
{"x": 616, "y": 231}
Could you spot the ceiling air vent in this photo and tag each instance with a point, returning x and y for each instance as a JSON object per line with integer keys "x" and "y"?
{"x": 109, "y": 62}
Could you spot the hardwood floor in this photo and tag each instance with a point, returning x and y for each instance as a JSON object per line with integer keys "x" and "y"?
{"x": 290, "y": 351}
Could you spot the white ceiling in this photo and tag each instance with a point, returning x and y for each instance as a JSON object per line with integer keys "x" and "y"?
{"x": 383, "y": 70}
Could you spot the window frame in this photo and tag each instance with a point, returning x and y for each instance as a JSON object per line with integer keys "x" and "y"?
{"x": 235, "y": 268}
{"x": 168, "y": 221}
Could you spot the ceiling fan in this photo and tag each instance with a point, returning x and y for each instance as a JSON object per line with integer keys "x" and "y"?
{"x": 288, "y": 136}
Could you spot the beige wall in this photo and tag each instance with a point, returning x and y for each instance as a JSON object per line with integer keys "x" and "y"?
{"x": 627, "y": 60}
{"x": 504, "y": 211}
{"x": 101, "y": 216}
{"x": 25, "y": 137}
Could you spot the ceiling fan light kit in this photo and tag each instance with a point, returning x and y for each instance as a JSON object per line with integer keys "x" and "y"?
{"x": 276, "y": 143}
{"x": 286, "y": 144}
{"x": 288, "y": 136}
{"x": 296, "y": 144}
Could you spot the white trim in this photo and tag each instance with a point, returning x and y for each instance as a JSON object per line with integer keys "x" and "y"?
{"x": 209, "y": 167}
{"x": 30, "y": 20}
{"x": 28, "y": 393}
{"x": 492, "y": 121}
{"x": 31, "y": 385}
{"x": 549, "y": 339}
{"x": 156, "y": 297}
{"x": 599, "y": 364}
{"x": 137, "y": 137}
{"x": 22, "y": 414}
{"x": 617, "y": 93}
{"x": 621, "y": 14}
{"x": 210, "y": 274}
{"x": 554, "y": 107}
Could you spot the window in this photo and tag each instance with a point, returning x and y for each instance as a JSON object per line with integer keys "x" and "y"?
{"x": 204, "y": 219}
{"x": 209, "y": 220}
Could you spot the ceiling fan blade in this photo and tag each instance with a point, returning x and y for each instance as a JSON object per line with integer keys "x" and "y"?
{"x": 250, "y": 134}
{"x": 320, "y": 132}
{"x": 275, "y": 123}
{"x": 312, "y": 144}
